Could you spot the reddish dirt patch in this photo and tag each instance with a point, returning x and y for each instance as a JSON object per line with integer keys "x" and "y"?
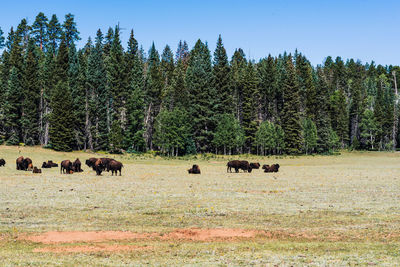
{"x": 185, "y": 234}
{"x": 210, "y": 234}
{"x": 97, "y": 248}
{"x": 76, "y": 236}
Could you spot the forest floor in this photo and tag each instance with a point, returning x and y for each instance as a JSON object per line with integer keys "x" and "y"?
{"x": 316, "y": 211}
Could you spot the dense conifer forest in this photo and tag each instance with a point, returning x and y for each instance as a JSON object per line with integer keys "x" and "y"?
{"x": 118, "y": 97}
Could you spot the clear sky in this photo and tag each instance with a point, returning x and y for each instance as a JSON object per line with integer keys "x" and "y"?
{"x": 361, "y": 29}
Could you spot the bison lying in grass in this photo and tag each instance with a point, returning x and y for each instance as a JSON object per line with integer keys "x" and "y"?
{"x": 194, "y": 170}
{"x": 49, "y": 164}
{"x": 36, "y": 170}
{"x": 272, "y": 168}
{"x": 255, "y": 165}
{"x": 2, "y": 162}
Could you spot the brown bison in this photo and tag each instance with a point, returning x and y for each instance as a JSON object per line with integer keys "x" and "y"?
{"x": 76, "y": 166}
{"x": 99, "y": 167}
{"x": 255, "y": 165}
{"x": 194, "y": 170}
{"x": 36, "y": 170}
{"x": 114, "y": 166}
{"x": 66, "y": 167}
{"x": 106, "y": 162}
{"x": 272, "y": 168}
{"x": 90, "y": 162}
{"x": 45, "y": 165}
{"x": 49, "y": 164}
{"x": 238, "y": 164}
{"x": 2, "y": 162}
{"x": 24, "y": 164}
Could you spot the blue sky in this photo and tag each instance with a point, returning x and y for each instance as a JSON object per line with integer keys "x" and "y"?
{"x": 366, "y": 30}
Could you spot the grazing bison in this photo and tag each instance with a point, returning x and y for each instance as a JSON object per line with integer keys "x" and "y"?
{"x": 66, "y": 166}
{"x": 90, "y": 162}
{"x": 76, "y": 166}
{"x": 36, "y": 170}
{"x": 24, "y": 164}
{"x": 98, "y": 167}
{"x": 114, "y": 166}
{"x": 238, "y": 164}
{"x": 2, "y": 162}
{"x": 195, "y": 169}
{"x": 272, "y": 168}
{"x": 255, "y": 165}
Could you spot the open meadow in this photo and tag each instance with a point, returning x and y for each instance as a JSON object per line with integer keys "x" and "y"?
{"x": 316, "y": 211}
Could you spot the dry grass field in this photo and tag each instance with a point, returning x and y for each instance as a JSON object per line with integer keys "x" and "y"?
{"x": 316, "y": 211}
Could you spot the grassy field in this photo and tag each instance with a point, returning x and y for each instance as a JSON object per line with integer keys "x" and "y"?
{"x": 317, "y": 211}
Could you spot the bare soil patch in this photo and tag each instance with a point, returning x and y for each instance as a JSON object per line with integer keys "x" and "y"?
{"x": 193, "y": 234}
{"x": 97, "y": 248}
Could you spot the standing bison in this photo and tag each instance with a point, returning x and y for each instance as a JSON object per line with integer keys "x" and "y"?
{"x": 114, "y": 166}
{"x": 66, "y": 167}
{"x": 106, "y": 162}
{"x": 194, "y": 170}
{"x": 98, "y": 167}
{"x": 90, "y": 162}
{"x": 24, "y": 164}
{"x": 76, "y": 166}
{"x": 238, "y": 164}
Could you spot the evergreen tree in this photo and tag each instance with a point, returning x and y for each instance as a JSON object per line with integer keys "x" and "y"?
{"x": 199, "y": 82}
{"x": 116, "y": 137}
{"x": 308, "y": 93}
{"x": 2, "y": 39}
{"x": 116, "y": 77}
{"x": 97, "y": 98}
{"x": 31, "y": 97}
{"x": 77, "y": 85}
{"x": 47, "y": 83}
{"x": 12, "y": 107}
{"x": 133, "y": 138}
{"x": 39, "y": 30}
{"x": 61, "y": 132}
{"x": 268, "y": 88}
{"x": 322, "y": 119}
{"x": 291, "y": 110}
{"x": 153, "y": 88}
{"x": 238, "y": 72}
{"x": 71, "y": 33}
{"x": 221, "y": 72}
{"x": 249, "y": 115}
{"x": 54, "y": 32}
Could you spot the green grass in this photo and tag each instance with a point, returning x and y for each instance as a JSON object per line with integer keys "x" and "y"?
{"x": 321, "y": 210}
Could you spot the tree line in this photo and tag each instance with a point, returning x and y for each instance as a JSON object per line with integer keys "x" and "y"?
{"x": 107, "y": 97}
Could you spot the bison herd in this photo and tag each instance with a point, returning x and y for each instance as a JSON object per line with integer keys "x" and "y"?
{"x": 248, "y": 167}
{"x": 243, "y": 165}
{"x": 100, "y": 165}
{"x": 69, "y": 167}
